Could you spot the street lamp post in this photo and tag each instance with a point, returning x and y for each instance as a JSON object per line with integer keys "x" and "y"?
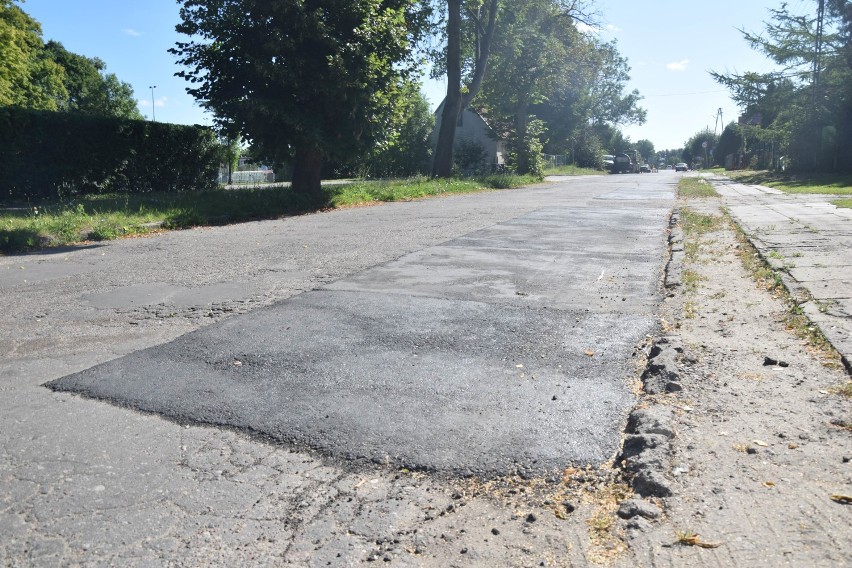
{"x": 153, "y": 104}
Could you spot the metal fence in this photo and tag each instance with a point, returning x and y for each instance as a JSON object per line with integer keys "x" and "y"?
{"x": 247, "y": 177}
{"x": 552, "y": 161}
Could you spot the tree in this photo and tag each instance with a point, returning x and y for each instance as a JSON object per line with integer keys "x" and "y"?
{"x": 694, "y": 149}
{"x": 482, "y": 21}
{"x": 27, "y": 78}
{"x": 588, "y": 103}
{"x": 646, "y": 149}
{"x": 531, "y": 48}
{"x": 731, "y": 143}
{"x": 404, "y": 149}
{"x": 304, "y": 81}
{"x": 89, "y": 89}
{"x": 804, "y": 110}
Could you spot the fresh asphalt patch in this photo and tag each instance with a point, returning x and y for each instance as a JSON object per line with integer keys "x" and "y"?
{"x": 507, "y": 350}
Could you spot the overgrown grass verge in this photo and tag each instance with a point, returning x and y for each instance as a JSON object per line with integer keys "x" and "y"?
{"x": 573, "y": 171}
{"x": 106, "y": 217}
{"x": 831, "y": 184}
{"x": 693, "y": 186}
{"x": 794, "y": 317}
{"x": 847, "y": 203}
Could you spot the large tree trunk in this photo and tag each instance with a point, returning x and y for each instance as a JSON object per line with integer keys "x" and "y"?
{"x": 307, "y": 171}
{"x": 455, "y": 103}
{"x": 442, "y": 162}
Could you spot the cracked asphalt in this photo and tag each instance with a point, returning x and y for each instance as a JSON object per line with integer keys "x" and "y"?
{"x": 315, "y": 456}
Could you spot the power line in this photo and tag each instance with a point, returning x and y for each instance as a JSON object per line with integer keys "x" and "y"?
{"x": 686, "y": 94}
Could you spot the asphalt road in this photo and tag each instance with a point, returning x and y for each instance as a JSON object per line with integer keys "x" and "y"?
{"x": 505, "y": 349}
{"x": 408, "y": 323}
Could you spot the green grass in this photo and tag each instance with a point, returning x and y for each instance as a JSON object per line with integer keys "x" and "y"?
{"x": 573, "y": 171}
{"x": 106, "y": 217}
{"x": 694, "y": 223}
{"x": 692, "y": 186}
{"x": 843, "y": 203}
{"x": 830, "y": 184}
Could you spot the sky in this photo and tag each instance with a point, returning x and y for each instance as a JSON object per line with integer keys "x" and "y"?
{"x": 670, "y": 46}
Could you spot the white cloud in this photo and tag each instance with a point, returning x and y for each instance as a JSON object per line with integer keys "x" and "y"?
{"x": 596, "y": 30}
{"x": 131, "y": 32}
{"x": 146, "y": 103}
{"x": 585, "y": 28}
{"x": 678, "y": 65}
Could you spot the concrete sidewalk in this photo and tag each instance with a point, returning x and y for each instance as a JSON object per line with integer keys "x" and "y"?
{"x": 809, "y": 241}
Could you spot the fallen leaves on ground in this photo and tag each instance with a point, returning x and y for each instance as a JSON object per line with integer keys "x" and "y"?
{"x": 693, "y": 539}
{"x": 843, "y": 499}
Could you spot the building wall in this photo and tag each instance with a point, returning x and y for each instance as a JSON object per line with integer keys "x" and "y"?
{"x": 473, "y": 128}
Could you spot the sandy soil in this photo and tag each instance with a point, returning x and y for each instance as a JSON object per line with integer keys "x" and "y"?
{"x": 760, "y": 458}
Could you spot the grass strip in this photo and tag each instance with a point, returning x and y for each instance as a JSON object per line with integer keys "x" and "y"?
{"x": 107, "y": 217}
{"x": 693, "y": 186}
{"x": 573, "y": 171}
{"x": 829, "y": 184}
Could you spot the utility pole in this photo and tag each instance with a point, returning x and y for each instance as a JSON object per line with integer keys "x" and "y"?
{"x": 818, "y": 51}
{"x": 719, "y": 119}
{"x": 153, "y": 104}
{"x": 815, "y": 87}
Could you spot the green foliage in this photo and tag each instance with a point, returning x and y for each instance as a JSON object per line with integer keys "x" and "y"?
{"x": 805, "y": 116}
{"x": 694, "y": 151}
{"x": 27, "y": 78}
{"x": 525, "y": 156}
{"x": 542, "y": 66}
{"x": 731, "y": 143}
{"x": 89, "y": 89}
{"x": 646, "y": 150}
{"x": 470, "y": 157}
{"x": 404, "y": 148}
{"x": 306, "y": 81}
{"x": 60, "y": 155}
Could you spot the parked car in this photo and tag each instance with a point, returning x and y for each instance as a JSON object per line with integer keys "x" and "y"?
{"x": 644, "y": 169}
{"x": 681, "y": 167}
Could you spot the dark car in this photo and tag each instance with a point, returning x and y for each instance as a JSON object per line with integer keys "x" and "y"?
{"x": 681, "y": 167}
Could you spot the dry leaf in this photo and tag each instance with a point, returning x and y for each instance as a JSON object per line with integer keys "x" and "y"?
{"x": 769, "y": 484}
{"x": 792, "y": 446}
{"x": 692, "y": 539}
{"x": 590, "y": 353}
{"x": 843, "y": 499}
{"x": 760, "y": 443}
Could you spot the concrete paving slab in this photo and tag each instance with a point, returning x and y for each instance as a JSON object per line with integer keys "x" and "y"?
{"x": 809, "y": 240}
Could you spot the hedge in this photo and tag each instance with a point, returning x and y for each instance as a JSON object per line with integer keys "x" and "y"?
{"x": 48, "y": 155}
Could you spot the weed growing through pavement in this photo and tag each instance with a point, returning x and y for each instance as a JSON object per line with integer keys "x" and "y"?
{"x": 690, "y": 280}
{"x": 795, "y": 319}
{"x": 843, "y": 390}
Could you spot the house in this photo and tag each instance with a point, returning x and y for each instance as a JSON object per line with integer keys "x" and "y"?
{"x": 477, "y": 146}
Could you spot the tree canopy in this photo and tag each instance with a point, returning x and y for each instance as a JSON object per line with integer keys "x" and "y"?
{"x": 28, "y": 78}
{"x": 804, "y": 110}
{"x": 43, "y": 76}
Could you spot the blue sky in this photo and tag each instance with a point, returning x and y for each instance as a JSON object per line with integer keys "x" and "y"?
{"x": 670, "y": 45}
